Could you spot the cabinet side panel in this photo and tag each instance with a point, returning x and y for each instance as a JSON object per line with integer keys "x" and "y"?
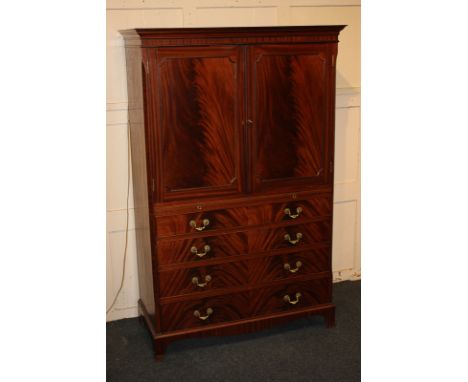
{"x": 139, "y": 175}
{"x": 331, "y": 116}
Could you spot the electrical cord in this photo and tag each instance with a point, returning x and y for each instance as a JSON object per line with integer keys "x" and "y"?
{"x": 126, "y": 225}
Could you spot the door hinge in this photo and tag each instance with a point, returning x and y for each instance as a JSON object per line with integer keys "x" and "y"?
{"x": 146, "y": 66}
{"x": 152, "y": 185}
{"x": 331, "y": 166}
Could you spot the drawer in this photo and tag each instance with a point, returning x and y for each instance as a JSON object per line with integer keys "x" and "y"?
{"x": 317, "y": 206}
{"x": 290, "y": 265}
{"x": 201, "y": 222}
{"x": 203, "y": 248}
{"x": 294, "y": 236}
{"x": 201, "y": 279}
{"x": 202, "y": 312}
{"x": 290, "y": 296}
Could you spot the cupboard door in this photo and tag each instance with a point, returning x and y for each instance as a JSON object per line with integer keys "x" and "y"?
{"x": 199, "y": 114}
{"x": 290, "y": 116}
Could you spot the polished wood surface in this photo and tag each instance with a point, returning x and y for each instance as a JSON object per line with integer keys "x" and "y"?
{"x": 318, "y": 206}
{"x": 289, "y": 115}
{"x": 200, "y": 107}
{"x": 299, "y": 263}
{"x": 220, "y": 219}
{"x": 208, "y": 277}
{"x": 225, "y": 308}
{"x": 226, "y": 36}
{"x": 235, "y": 306}
{"x": 232, "y": 152}
{"x": 220, "y": 246}
{"x": 268, "y": 239}
{"x": 237, "y": 273}
{"x": 293, "y": 195}
{"x": 271, "y": 300}
{"x": 247, "y": 325}
{"x": 137, "y": 114}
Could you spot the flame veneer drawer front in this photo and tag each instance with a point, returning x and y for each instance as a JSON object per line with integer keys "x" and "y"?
{"x": 204, "y": 278}
{"x": 202, "y": 312}
{"x": 203, "y": 248}
{"x": 290, "y": 265}
{"x": 314, "y": 207}
{"x": 294, "y": 236}
{"x": 206, "y": 221}
{"x": 290, "y": 296}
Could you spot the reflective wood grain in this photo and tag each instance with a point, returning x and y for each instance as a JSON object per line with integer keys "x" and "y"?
{"x": 319, "y": 206}
{"x": 200, "y": 109}
{"x": 269, "y": 268}
{"x": 228, "y": 307}
{"x": 290, "y": 101}
{"x": 221, "y": 246}
{"x": 179, "y": 282}
{"x": 267, "y": 239}
{"x": 218, "y": 219}
{"x": 271, "y": 300}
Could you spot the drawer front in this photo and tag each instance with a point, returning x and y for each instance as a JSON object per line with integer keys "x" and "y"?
{"x": 203, "y": 248}
{"x": 201, "y": 222}
{"x": 292, "y": 210}
{"x": 290, "y": 296}
{"x": 201, "y": 279}
{"x": 290, "y": 265}
{"x": 296, "y": 236}
{"x": 199, "y": 313}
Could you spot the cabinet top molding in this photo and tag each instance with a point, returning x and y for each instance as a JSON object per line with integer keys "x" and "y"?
{"x": 151, "y": 37}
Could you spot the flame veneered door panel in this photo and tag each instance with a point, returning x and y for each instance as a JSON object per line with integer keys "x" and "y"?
{"x": 290, "y": 100}
{"x": 199, "y": 113}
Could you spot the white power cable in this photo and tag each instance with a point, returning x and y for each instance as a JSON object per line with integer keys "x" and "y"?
{"x": 126, "y": 226}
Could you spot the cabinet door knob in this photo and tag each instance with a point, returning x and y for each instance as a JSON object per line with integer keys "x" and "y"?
{"x": 206, "y": 249}
{"x": 287, "y": 211}
{"x": 197, "y": 314}
{"x": 287, "y": 267}
{"x": 205, "y": 223}
{"x": 201, "y": 285}
{"x": 298, "y": 238}
{"x": 287, "y": 299}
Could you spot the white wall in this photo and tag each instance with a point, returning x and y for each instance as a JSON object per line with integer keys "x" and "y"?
{"x": 124, "y": 14}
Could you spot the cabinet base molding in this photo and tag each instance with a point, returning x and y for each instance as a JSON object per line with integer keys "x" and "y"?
{"x": 250, "y": 325}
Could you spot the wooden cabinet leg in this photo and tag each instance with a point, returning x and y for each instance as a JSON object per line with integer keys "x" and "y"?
{"x": 159, "y": 349}
{"x": 329, "y": 316}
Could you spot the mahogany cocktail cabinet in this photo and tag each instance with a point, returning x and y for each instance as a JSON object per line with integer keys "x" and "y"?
{"x": 232, "y": 141}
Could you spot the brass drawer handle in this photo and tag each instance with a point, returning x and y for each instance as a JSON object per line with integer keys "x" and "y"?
{"x": 197, "y": 314}
{"x": 298, "y": 238}
{"x": 201, "y": 285}
{"x": 205, "y": 223}
{"x": 286, "y": 298}
{"x": 288, "y": 267}
{"x": 206, "y": 248}
{"x": 287, "y": 211}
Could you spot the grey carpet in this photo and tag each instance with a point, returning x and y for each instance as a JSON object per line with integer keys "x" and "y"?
{"x": 303, "y": 350}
